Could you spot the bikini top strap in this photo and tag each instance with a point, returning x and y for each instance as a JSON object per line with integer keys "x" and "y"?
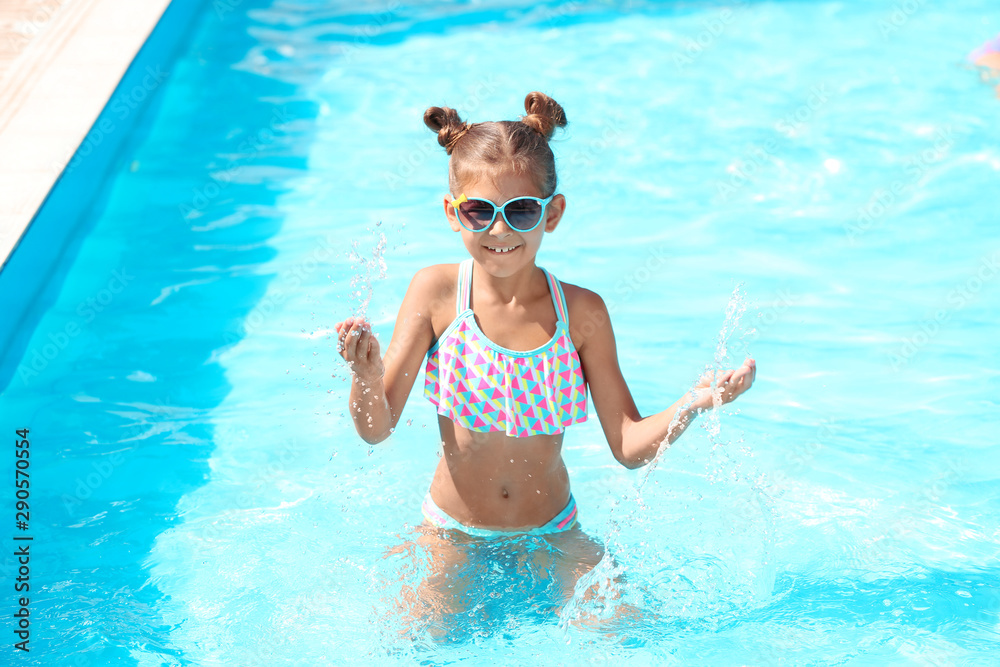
{"x": 558, "y": 298}
{"x": 464, "y": 291}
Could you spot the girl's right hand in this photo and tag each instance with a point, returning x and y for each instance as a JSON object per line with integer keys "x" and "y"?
{"x": 728, "y": 385}
{"x": 359, "y": 348}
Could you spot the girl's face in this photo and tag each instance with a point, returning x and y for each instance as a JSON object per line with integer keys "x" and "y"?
{"x": 521, "y": 247}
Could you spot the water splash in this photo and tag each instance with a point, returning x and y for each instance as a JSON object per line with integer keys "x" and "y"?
{"x": 434, "y": 591}
{"x": 689, "y": 544}
{"x": 367, "y": 269}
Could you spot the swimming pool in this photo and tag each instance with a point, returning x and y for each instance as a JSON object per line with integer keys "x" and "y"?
{"x": 203, "y": 499}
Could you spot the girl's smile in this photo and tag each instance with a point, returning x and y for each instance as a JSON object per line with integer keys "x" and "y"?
{"x": 503, "y": 250}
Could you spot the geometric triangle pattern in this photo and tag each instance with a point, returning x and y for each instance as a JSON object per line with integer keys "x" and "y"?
{"x": 484, "y": 387}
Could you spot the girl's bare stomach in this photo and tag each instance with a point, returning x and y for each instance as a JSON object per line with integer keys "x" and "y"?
{"x": 490, "y": 480}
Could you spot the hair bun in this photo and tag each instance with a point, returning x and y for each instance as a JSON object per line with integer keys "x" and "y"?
{"x": 544, "y": 114}
{"x": 447, "y": 124}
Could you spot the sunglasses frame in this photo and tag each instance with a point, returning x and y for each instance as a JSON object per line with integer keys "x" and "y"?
{"x": 502, "y": 210}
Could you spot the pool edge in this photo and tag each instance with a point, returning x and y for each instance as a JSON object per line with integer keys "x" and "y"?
{"x": 54, "y": 231}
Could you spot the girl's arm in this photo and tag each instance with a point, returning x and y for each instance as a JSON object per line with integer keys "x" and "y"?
{"x": 634, "y": 439}
{"x": 380, "y": 386}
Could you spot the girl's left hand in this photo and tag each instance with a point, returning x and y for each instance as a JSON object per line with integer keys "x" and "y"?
{"x": 729, "y": 384}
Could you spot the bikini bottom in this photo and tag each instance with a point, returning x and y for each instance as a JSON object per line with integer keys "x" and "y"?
{"x": 565, "y": 520}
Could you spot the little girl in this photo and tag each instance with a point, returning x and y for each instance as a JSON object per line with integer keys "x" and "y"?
{"x": 510, "y": 350}
{"x": 987, "y": 59}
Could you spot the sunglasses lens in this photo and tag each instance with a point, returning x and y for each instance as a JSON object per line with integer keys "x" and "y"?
{"x": 475, "y": 215}
{"x": 523, "y": 214}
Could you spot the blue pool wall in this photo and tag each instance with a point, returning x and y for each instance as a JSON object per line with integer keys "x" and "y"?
{"x": 33, "y": 274}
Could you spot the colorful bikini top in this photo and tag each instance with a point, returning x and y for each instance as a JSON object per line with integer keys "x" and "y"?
{"x": 485, "y": 387}
{"x": 989, "y": 46}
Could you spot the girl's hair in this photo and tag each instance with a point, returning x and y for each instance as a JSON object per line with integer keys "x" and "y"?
{"x": 483, "y": 150}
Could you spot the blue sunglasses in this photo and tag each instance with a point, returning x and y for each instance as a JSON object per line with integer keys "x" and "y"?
{"x": 521, "y": 213}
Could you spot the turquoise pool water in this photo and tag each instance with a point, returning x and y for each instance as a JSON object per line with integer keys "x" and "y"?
{"x": 812, "y": 183}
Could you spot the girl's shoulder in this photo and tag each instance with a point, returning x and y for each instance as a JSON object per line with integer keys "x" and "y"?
{"x": 437, "y": 275}
{"x": 435, "y": 284}
{"x": 578, "y": 297}
{"x": 585, "y": 310}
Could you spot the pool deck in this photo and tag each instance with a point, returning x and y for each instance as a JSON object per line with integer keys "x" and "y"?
{"x": 60, "y": 61}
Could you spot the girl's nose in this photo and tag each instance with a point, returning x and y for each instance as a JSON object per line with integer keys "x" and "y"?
{"x": 500, "y": 228}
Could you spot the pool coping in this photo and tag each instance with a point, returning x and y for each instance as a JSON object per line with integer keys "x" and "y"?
{"x": 55, "y": 90}
{"x": 62, "y": 136}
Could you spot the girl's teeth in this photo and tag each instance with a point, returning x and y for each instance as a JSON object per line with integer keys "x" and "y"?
{"x": 502, "y": 249}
